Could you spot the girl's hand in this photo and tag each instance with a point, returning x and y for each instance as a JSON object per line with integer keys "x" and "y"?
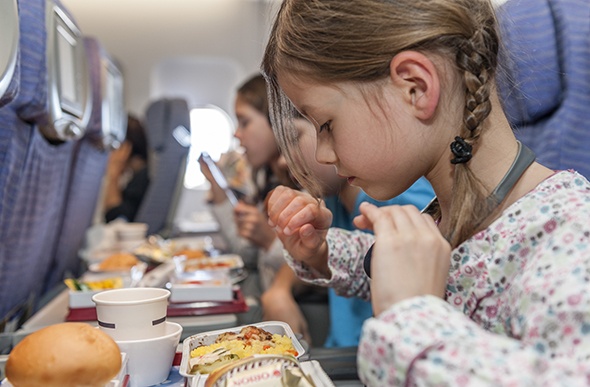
{"x": 206, "y": 171}
{"x": 301, "y": 224}
{"x": 410, "y": 256}
{"x": 252, "y": 224}
{"x": 217, "y": 194}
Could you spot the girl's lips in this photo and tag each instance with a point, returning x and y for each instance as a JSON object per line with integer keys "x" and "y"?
{"x": 349, "y": 179}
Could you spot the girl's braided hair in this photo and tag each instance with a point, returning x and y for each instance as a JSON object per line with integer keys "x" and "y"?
{"x": 329, "y": 41}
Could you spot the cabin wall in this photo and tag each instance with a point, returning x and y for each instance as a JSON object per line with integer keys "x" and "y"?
{"x": 142, "y": 36}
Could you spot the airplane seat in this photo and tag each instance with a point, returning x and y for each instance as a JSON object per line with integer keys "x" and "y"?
{"x": 9, "y": 53}
{"x": 9, "y": 81}
{"x": 545, "y": 87}
{"x": 105, "y": 131}
{"x": 35, "y": 170}
{"x": 167, "y": 122}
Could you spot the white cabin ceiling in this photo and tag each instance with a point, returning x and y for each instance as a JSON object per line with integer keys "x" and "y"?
{"x": 140, "y": 34}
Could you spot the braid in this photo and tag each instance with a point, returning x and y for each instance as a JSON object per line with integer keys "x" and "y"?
{"x": 476, "y": 58}
{"x": 348, "y": 48}
{"x": 477, "y": 68}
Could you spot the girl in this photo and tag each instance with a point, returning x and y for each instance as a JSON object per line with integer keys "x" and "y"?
{"x": 244, "y": 228}
{"x": 493, "y": 287}
{"x": 347, "y": 314}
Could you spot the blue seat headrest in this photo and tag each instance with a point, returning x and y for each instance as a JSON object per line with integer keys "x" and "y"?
{"x": 531, "y": 84}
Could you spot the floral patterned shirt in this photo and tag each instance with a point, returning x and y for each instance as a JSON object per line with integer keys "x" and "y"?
{"x": 517, "y": 308}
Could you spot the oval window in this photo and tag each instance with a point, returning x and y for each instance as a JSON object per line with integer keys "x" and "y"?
{"x": 211, "y": 131}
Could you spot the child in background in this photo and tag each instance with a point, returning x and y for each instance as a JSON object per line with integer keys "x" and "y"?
{"x": 127, "y": 176}
{"x": 492, "y": 288}
{"x": 244, "y": 228}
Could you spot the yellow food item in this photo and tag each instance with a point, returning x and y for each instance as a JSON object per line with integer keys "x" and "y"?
{"x": 107, "y": 283}
{"x": 119, "y": 261}
{"x": 282, "y": 346}
{"x": 229, "y": 346}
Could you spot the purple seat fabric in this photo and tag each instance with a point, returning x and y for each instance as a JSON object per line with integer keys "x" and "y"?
{"x": 34, "y": 173}
{"x": 546, "y": 86}
{"x": 87, "y": 170}
{"x": 167, "y": 124}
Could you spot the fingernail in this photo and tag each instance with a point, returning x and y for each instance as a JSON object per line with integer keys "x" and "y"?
{"x": 306, "y": 232}
{"x": 287, "y": 231}
{"x": 271, "y": 223}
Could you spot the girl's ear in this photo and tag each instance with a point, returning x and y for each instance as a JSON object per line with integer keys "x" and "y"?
{"x": 417, "y": 77}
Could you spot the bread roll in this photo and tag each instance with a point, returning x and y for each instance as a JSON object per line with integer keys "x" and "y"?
{"x": 64, "y": 355}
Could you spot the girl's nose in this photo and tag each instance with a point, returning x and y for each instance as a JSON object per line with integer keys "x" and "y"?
{"x": 324, "y": 152}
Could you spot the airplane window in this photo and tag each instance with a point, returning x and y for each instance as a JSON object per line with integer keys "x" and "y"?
{"x": 211, "y": 131}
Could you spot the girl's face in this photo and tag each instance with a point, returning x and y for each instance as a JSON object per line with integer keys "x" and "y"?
{"x": 325, "y": 174}
{"x": 255, "y": 135}
{"x": 371, "y": 141}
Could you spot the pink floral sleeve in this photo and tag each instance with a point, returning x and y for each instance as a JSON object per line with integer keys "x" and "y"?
{"x": 517, "y": 307}
{"x": 346, "y": 252}
{"x": 517, "y": 311}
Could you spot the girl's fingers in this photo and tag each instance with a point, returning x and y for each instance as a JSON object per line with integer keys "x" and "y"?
{"x": 379, "y": 218}
{"x": 396, "y": 217}
{"x": 362, "y": 223}
{"x": 275, "y": 203}
{"x": 290, "y": 210}
{"x": 311, "y": 214}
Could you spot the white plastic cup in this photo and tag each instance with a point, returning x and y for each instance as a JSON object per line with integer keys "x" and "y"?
{"x": 132, "y": 313}
{"x": 150, "y": 360}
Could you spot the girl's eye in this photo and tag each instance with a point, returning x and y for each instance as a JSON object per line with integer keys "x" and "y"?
{"x": 326, "y": 126}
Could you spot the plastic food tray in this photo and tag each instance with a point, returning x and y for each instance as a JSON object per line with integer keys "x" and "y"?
{"x": 220, "y": 262}
{"x": 201, "y": 286}
{"x": 208, "y": 338}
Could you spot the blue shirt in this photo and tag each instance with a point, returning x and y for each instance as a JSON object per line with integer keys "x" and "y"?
{"x": 347, "y": 315}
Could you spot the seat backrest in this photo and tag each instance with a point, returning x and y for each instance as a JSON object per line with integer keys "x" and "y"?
{"x": 9, "y": 82}
{"x": 167, "y": 122}
{"x": 545, "y": 87}
{"x": 89, "y": 163}
{"x": 34, "y": 172}
{"x": 107, "y": 123}
{"x": 69, "y": 101}
{"x": 9, "y": 61}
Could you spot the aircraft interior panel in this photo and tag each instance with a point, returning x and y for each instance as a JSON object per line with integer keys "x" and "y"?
{"x": 9, "y": 58}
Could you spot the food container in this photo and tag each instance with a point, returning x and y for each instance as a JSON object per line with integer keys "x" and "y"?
{"x": 208, "y": 338}
{"x": 201, "y": 286}
{"x": 80, "y": 291}
{"x": 157, "y": 249}
{"x": 228, "y": 262}
{"x": 268, "y": 370}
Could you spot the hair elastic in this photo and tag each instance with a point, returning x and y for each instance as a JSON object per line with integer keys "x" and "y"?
{"x": 462, "y": 151}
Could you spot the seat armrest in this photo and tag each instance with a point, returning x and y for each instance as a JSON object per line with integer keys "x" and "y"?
{"x": 338, "y": 363}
